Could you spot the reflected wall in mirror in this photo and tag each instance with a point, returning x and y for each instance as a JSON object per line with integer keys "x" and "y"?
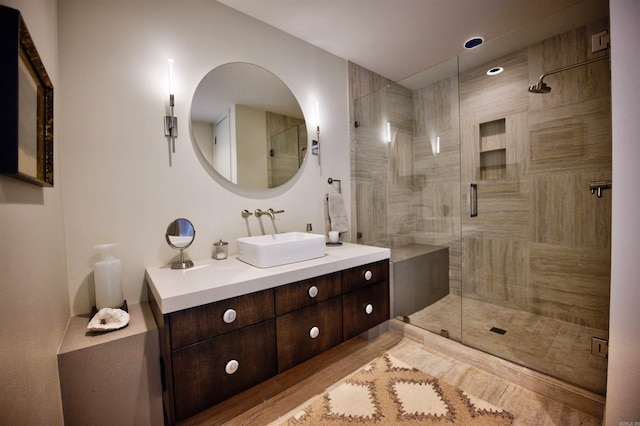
{"x": 248, "y": 125}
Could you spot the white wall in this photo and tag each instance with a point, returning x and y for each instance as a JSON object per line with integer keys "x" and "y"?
{"x": 118, "y": 186}
{"x": 34, "y": 303}
{"x": 623, "y": 385}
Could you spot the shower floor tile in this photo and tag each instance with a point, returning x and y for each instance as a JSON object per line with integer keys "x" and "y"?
{"x": 557, "y": 348}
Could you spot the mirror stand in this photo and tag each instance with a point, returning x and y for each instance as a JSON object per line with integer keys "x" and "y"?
{"x": 182, "y": 263}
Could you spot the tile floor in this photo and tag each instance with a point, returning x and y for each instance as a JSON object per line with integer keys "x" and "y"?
{"x": 557, "y": 348}
{"x": 529, "y": 408}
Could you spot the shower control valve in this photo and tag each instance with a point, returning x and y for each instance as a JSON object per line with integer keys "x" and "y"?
{"x": 597, "y": 187}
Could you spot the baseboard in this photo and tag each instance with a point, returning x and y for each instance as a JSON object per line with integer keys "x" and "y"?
{"x": 375, "y": 331}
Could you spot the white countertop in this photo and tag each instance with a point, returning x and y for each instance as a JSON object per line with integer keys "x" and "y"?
{"x": 212, "y": 280}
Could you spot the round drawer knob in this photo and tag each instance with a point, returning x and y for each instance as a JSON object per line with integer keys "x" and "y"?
{"x": 368, "y": 309}
{"x": 314, "y": 332}
{"x": 368, "y": 275}
{"x": 229, "y": 316}
{"x": 313, "y": 291}
{"x": 231, "y": 367}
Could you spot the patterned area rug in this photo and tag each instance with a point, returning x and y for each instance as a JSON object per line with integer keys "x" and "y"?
{"x": 390, "y": 392}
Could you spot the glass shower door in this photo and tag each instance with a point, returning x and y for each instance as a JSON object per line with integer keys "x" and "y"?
{"x": 407, "y": 174}
{"x": 384, "y": 167}
{"x": 536, "y": 258}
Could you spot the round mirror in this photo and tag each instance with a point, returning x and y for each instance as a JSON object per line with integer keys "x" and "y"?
{"x": 248, "y": 126}
{"x": 180, "y": 234}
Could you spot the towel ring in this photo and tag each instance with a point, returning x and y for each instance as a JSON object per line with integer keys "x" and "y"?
{"x": 330, "y": 180}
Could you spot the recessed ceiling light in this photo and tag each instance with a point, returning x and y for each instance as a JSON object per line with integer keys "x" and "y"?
{"x": 495, "y": 71}
{"x": 473, "y": 42}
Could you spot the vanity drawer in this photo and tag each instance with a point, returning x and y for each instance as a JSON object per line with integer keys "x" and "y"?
{"x": 307, "y": 332}
{"x": 355, "y": 315}
{"x": 364, "y": 275}
{"x": 206, "y": 374}
{"x": 206, "y": 321}
{"x": 308, "y": 292}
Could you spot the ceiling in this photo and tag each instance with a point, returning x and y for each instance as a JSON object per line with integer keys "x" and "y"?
{"x": 399, "y": 39}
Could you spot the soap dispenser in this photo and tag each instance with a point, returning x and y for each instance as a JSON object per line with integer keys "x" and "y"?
{"x": 108, "y": 282}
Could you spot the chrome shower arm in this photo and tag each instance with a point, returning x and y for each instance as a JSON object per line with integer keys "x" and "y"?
{"x": 568, "y": 67}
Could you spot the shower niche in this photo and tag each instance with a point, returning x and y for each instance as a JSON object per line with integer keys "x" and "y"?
{"x": 493, "y": 150}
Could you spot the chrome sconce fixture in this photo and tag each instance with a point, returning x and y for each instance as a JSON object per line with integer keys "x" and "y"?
{"x": 171, "y": 121}
{"x": 315, "y": 144}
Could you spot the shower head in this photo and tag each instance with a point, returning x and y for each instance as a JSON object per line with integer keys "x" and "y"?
{"x": 540, "y": 87}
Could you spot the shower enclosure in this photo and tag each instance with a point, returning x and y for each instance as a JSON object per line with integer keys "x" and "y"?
{"x": 286, "y": 152}
{"x": 503, "y": 178}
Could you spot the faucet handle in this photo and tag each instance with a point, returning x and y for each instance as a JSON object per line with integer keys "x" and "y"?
{"x": 258, "y": 212}
{"x": 246, "y": 213}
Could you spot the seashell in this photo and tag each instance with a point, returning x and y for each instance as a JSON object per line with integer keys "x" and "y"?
{"x": 108, "y": 319}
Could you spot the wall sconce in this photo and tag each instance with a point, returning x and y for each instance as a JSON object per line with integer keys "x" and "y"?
{"x": 388, "y": 132}
{"x": 315, "y": 144}
{"x": 435, "y": 145}
{"x": 171, "y": 121}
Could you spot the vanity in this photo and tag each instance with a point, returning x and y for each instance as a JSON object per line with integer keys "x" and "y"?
{"x": 226, "y": 326}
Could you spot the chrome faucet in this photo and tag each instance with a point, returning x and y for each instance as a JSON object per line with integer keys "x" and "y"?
{"x": 272, "y": 213}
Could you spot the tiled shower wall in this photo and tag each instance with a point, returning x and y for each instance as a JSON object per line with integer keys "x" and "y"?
{"x": 541, "y": 240}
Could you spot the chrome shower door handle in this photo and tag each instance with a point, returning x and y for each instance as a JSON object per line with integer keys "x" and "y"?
{"x": 473, "y": 199}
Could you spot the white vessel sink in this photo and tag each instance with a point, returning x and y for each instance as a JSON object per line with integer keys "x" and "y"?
{"x": 265, "y": 251}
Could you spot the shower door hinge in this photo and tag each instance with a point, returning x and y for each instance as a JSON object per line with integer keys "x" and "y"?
{"x": 599, "y": 347}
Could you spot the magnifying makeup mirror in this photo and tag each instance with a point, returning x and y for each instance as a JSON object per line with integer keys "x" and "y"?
{"x": 180, "y": 234}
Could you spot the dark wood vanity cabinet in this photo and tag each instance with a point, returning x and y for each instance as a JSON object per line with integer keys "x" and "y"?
{"x": 203, "y": 322}
{"x": 365, "y": 298}
{"x": 214, "y": 351}
{"x": 211, "y": 371}
{"x": 291, "y": 297}
{"x": 309, "y": 319}
{"x": 304, "y": 333}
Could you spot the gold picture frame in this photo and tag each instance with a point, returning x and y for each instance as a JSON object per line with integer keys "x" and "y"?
{"x": 26, "y": 145}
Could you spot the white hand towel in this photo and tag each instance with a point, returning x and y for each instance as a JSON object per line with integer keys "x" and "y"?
{"x": 337, "y": 213}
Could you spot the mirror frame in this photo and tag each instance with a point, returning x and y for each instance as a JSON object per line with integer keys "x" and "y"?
{"x": 227, "y": 184}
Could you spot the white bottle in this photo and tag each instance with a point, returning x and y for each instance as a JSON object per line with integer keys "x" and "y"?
{"x": 108, "y": 282}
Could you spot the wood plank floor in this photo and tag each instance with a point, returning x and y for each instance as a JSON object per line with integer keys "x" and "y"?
{"x": 278, "y": 396}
